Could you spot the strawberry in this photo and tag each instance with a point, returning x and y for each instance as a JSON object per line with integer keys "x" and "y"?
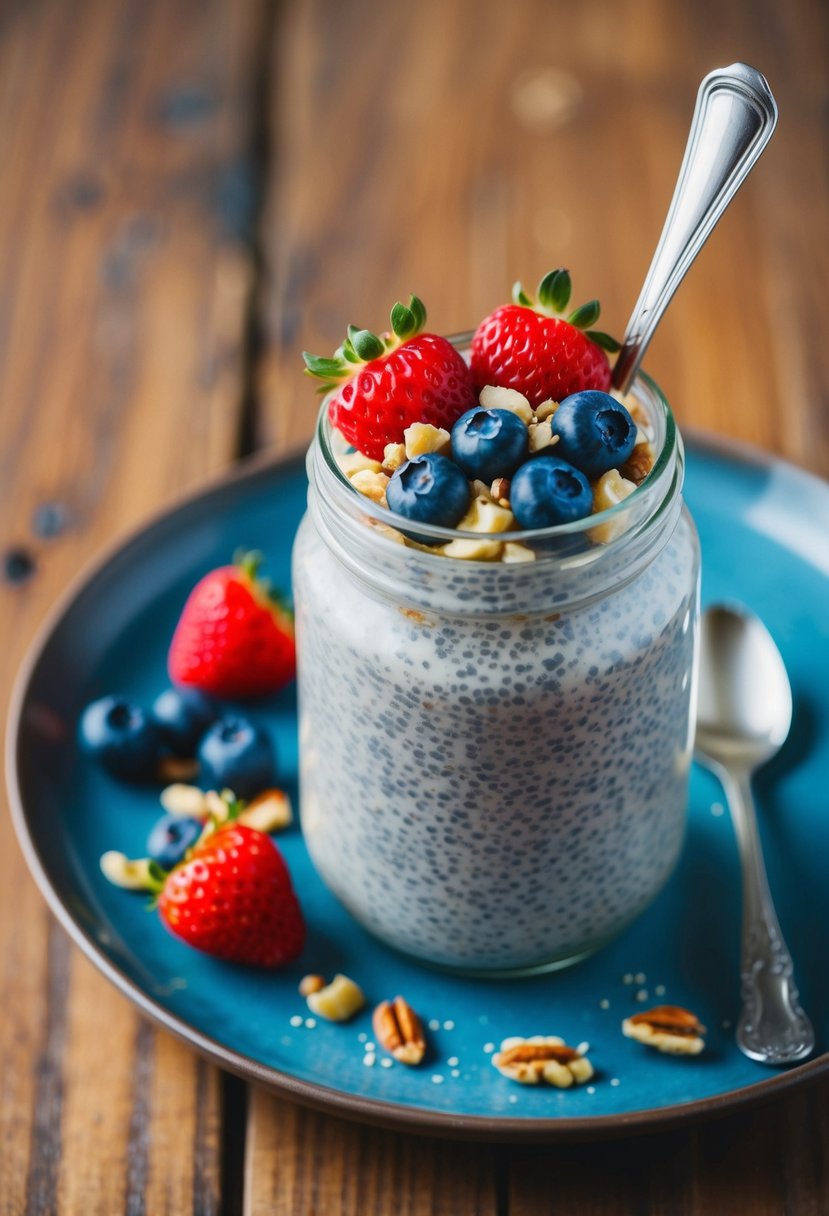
{"x": 384, "y": 384}
{"x": 233, "y": 639}
{"x": 534, "y": 348}
{"x": 233, "y": 898}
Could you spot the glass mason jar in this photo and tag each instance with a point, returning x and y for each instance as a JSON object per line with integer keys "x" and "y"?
{"x": 494, "y": 756}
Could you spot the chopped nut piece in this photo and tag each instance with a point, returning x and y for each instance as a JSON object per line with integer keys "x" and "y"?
{"x": 398, "y": 1030}
{"x": 541, "y": 436}
{"x": 514, "y": 551}
{"x": 542, "y": 1058}
{"x": 610, "y": 489}
{"x": 177, "y": 769}
{"x": 545, "y": 410}
{"x": 422, "y": 437}
{"x": 493, "y": 397}
{"x": 372, "y": 484}
{"x": 481, "y": 490}
{"x": 217, "y": 804}
{"x": 499, "y": 490}
{"x": 638, "y": 464}
{"x": 356, "y": 462}
{"x": 311, "y": 983}
{"x": 668, "y": 1028}
{"x": 337, "y": 1001}
{"x": 131, "y": 875}
{"x": 473, "y": 550}
{"x": 484, "y": 515}
{"x": 394, "y": 454}
{"x": 268, "y": 812}
{"x": 179, "y": 799}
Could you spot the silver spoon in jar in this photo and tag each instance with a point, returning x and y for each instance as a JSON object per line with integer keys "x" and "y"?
{"x": 733, "y": 121}
{"x": 743, "y": 717}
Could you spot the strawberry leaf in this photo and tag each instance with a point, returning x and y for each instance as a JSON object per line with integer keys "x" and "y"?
{"x": 403, "y": 321}
{"x": 605, "y": 341}
{"x": 418, "y": 311}
{"x": 519, "y": 296}
{"x": 325, "y": 369}
{"x": 367, "y": 345}
{"x": 554, "y": 290}
{"x": 585, "y": 316}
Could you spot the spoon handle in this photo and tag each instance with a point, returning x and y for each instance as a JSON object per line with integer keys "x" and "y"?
{"x": 773, "y": 1028}
{"x": 733, "y": 121}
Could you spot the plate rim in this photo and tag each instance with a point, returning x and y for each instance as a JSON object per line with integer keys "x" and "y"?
{"x": 377, "y": 1112}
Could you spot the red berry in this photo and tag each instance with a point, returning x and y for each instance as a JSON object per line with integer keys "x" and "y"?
{"x": 392, "y": 382}
{"x": 542, "y": 355}
{"x": 233, "y": 898}
{"x": 233, "y": 639}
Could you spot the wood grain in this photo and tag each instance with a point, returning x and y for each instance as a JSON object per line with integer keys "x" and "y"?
{"x": 301, "y": 1161}
{"x": 125, "y": 278}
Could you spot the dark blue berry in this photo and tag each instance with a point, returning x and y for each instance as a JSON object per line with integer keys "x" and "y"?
{"x": 183, "y": 715}
{"x": 489, "y": 443}
{"x": 18, "y": 565}
{"x": 170, "y": 839}
{"x": 547, "y": 491}
{"x": 430, "y": 489}
{"x": 122, "y": 737}
{"x": 237, "y": 755}
{"x": 595, "y": 432}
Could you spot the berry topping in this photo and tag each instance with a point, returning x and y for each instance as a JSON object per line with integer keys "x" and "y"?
{"x": 386, "y": 383}
{"x": 183, "y": 715}
{"x": 540, "y": 349}
{"x": 235, "y": 754}
{"x": 489, "y": 443}
{"x": 235, "y": 637}
{"x": 547, "y": 491}
{"x": 430, "y": 489}
{"x": 122, "y": 737}
{"x": 171, "y": 838}
{"x": 595, "y": 432}
{"x": 233, "y": 898}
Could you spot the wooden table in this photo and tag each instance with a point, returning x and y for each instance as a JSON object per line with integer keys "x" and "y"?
{"x": 191, "y": 194}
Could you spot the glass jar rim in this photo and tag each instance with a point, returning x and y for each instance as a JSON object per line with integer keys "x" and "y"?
{"x": 437, "y": 534}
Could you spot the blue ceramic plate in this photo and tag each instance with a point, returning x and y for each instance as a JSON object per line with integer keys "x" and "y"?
{"x": 765, "y": 543}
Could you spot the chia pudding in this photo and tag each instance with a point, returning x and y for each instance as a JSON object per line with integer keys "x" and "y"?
{"x": 495, "y": 757}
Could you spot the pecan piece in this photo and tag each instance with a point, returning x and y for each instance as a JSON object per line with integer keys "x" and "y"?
{"x": 398, "y": 1030}
{"x": 542, "y": 1058}
{"x": 638, "y": 464}
{"x": 668, "y": 1028}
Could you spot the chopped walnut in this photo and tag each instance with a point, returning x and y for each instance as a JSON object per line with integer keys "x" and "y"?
{"x": 667, "y": 1028}
{"x": 542, "y": 1058}
{"x": 494, "y": 397}
{"x": 422, "y": 437}
{"x": 372, "y": 484}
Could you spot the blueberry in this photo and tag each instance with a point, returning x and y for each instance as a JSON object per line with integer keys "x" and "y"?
{"x": 430, "y": 489}
{"x": 171, "y": 837}
{"x": 489, "y": 443}
{"x": 548, "y": 491}
{"x": 237, "y": 755}
{"x": 122, "y": 737}
{"x": 183, "y": 715}
{"x": 595, "y": 432}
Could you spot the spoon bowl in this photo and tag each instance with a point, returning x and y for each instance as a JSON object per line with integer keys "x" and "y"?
{"x": 744, "y": 712}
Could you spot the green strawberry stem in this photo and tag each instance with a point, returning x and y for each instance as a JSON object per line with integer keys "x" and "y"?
{"x": 362, "y": 346}
{"x": 248, "y": 562}
{"x": 553, "y": 296}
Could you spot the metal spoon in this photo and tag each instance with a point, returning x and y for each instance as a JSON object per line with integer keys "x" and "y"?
{"x": 743, "y": 717}
{"x": 733, "y": 121}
